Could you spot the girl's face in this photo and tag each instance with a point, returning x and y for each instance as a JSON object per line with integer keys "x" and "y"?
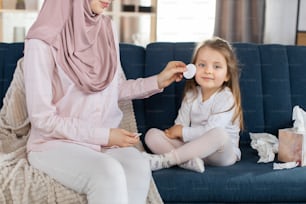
{"x": 98, "y": 6}
{"x": 211, "y": 71}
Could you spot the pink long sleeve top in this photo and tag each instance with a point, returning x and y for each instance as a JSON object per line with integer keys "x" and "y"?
{"x": 60, "y": 112}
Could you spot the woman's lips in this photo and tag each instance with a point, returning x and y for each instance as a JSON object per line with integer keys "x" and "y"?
{"x": 104, "y": 4}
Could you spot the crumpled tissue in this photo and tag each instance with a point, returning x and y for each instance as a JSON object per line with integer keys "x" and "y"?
{"x": 299, "y": 117}
{"x": 266, "y": 145}
{"x": 287, "y": 165}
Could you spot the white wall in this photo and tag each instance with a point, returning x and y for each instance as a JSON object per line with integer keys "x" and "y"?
{"x": 302, "y": 16}
{"x": 281, "y": 21}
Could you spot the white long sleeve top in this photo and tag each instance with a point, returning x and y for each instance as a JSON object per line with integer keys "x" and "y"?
{"x": 60, "y": 112}
{"x": 198, "y": 117}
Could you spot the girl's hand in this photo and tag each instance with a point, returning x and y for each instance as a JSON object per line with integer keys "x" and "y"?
{"x": 175, "y": 132}
{"x": 122, "y": 138}
{"x": 172, "y": 72}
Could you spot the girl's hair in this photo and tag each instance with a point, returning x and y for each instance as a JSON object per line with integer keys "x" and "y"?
{"x": 224, "y": 48}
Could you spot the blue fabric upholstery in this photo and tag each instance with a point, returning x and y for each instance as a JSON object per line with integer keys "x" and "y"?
{"x": 250, "y": 79}
{"x": 273, "y": 81}
{"x": 276, "y": 87}
{"x": 161, "y": 109}
{"x": 297, "y": 75}
{"x": 133, "y": 64}
{"x": 9, "y": 54}
{"x": 245, "y": 182}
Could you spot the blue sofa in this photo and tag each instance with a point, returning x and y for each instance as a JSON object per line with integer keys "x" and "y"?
{"x": 273, "y": 81}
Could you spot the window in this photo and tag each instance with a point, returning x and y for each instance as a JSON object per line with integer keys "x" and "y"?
{"x": 182, "y": 21}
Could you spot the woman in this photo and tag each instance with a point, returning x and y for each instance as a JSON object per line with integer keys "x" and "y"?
{"x": 73, "y": 82}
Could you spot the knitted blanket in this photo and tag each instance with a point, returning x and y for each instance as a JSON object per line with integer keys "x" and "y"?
{"x": 22, "y": 184}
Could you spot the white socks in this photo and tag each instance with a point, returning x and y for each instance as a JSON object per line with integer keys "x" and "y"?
{"x": 161, "y": 161}
{"x": 195, "y": 164}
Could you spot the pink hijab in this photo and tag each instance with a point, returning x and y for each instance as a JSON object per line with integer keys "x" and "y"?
{"x": 84, "y": 42}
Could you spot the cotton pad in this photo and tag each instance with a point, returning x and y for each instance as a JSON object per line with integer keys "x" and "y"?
{"x": 191, "y": 70}
{"x": 138, "y": 134}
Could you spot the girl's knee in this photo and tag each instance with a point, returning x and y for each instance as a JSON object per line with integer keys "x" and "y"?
{"x": 152, "y": 136}
{"x": 221, "y": 133}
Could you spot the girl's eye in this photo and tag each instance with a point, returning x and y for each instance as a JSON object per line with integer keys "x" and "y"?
{"x": 201, "y": 65}
{"x": 217, "y": 66}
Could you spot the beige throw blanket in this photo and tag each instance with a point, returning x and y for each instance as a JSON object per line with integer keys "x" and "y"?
{"x": 19, "y": 182}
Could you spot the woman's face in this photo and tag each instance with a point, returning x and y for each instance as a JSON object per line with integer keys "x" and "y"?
{"x": 98, "y": 6}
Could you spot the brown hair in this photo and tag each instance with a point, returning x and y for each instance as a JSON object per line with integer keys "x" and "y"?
{"x": 224, "y": 48}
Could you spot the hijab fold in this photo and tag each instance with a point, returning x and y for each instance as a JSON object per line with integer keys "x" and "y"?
{"x": 84, "y": 42}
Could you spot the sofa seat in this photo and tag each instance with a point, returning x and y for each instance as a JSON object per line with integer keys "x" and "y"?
{"x": 245, "y": 182}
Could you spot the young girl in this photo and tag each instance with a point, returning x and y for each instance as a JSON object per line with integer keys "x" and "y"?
{"x": 73, "y": 82}
{"x": 207, "y": 127}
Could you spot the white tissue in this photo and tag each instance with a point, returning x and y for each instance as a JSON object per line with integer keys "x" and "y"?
{"x": 299, "y": 117}
{"x": 266, "y": 145}
{"x": 287, "y": 165}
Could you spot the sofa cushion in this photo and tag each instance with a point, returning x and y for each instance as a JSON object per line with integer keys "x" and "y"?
{"x": 245, "y": 182}
{"x": 161, "y": 109}
{"x": 249, "y": 63}
{"x": 276, "y": 87}
{"x": 297, "y": 74}
{"x": 133, "y": 64}
{"x": 9, "y": 54}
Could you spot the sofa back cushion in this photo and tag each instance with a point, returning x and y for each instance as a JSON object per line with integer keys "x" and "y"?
{"x": 133, "y": 64}
{"x": 161, "y": 109}
{"x": 272, "y": 81}
{"x": 297, "y": 75}
{"x": 250, "y": 79}
{"x": 9, "y": 55}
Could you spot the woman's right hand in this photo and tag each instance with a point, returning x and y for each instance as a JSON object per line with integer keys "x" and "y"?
{"x": 122, "y": 138}
{"x": 172, "y": 72}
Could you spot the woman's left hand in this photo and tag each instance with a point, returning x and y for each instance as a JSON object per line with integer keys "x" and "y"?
{"x": 172, "y": 72}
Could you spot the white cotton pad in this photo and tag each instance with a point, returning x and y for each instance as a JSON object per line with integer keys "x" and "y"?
{"x": 138, "y": 134}
{"x": 191, "y": 70}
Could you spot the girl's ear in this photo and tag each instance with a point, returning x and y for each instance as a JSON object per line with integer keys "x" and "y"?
{"x": 228, "y": 77}
{"x": 228, "y": 73}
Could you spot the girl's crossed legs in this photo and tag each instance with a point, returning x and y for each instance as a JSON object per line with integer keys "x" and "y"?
{"x": 118, "y": 175}
{"x": 214, "y": 147}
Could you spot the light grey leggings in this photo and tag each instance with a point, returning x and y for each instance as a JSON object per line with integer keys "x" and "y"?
{"x": 215, "y": 147}
{"x": 116, "y": 176}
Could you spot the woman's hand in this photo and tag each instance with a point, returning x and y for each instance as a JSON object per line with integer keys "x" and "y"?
{"x": 175, "y": 132}
{"x": 122, "y": 138}
{"x": 172, "y": 72}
